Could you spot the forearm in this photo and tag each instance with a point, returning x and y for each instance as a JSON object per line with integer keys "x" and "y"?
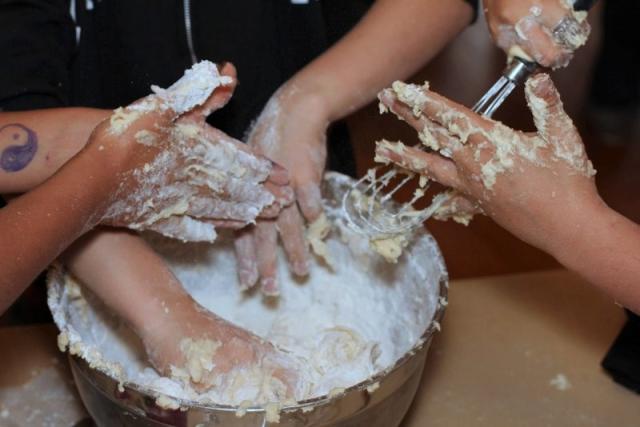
{"x": 127, "y": 275}
{"x": 604, "y": 247}
{"x": 39, "y": 225}
{"x": 35, "y": 144}
{"x": 392, "y": 41}
{"x": 107, "y": 182}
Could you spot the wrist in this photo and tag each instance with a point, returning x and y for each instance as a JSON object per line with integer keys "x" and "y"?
{"x": 87, "y": 184}
{"x": 97, "y": 170}
{"x": 582, "y": 227}
{"x": 314, "y": 97}
{"x": 160, "y": 312}
{"x": 113, "y": 155}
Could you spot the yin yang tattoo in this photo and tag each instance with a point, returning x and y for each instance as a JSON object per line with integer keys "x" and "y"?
{"x": 23, "y": 148}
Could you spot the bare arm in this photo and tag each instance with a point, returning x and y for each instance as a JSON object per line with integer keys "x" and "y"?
{"x": 539, "y": 186}
{"x": 127, "y": 276}
{"x": 115, "y": 264}
{"x": 604, "y": 247}
{"x": 35, "y": 144}
{"x": 39, "y": 225}
{"x": 391, "y": 42}
{"x": 134, "y": 282}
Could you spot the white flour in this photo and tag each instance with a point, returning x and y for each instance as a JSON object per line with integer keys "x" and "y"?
{"x": 190, "y": 91}
{"x": 193, "y": 88}
{"x": 347, "y": 323}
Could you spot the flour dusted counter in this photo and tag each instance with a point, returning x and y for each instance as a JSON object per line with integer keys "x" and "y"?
{"x": 514, "y": 351}
{"x": 36, "y": 387}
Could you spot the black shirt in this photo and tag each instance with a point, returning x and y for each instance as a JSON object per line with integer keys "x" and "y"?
{"x": 106, "y": 53}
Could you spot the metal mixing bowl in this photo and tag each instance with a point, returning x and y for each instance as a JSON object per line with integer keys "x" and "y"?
{"x": 381, "y": 401}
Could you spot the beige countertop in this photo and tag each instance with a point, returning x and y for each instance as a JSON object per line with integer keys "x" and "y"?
{"x": 503, "y": 341}
{"x": 505, "y": 338}
{"x": 36, "y": 386}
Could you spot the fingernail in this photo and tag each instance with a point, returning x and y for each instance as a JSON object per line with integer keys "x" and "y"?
{"x": 300, "y": 268}
{"x": 222, "y": 64}
{"x": 269, "y": 287}
{"x": 248, "y": 279}
{"x": 310, "y": 200}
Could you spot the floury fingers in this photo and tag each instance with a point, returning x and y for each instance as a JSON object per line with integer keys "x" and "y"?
{"x": 194, "y": 177}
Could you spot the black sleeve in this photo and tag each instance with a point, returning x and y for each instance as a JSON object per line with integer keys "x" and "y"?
{"x": 623, "y": 360}
{"x": 37, "y": 41}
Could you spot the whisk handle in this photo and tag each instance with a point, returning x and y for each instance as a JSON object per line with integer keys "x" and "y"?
{"x": 519, "y": 69}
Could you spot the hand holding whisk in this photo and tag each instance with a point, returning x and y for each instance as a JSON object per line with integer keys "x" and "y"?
{"x": 369, "y": 205}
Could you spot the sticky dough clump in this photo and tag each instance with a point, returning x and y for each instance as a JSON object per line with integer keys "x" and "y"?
{"x": 316, "y": 233}
{"x": 411, "y": 95}
{"x": 198, "y": 355}
{"x": 193, "y": 89}
{"x": 190, "y": 91}
{"x": 390, "y": 248}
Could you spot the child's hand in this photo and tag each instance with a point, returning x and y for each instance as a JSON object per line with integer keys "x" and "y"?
{"x": 134, "y": 282}
{"x": 533, "y": 184}
{"x": 291, "y": 131}
{"x": 181, "y": 177}
{"x": 196, "y": 347}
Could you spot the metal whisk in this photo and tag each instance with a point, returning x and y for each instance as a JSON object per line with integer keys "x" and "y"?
{"x": 369, "y": 205}
{"x": 515, "y": 73}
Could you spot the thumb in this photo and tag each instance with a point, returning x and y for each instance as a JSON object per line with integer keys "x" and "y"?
{"x": 546, "y": 106}
{"x": 223, "y": 93}
{"x": 554, "y": 125}
{"x": 220, "y": 96}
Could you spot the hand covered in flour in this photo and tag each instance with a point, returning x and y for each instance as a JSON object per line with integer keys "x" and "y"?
{"x": 291, "y": 131}
{"x": 195, "y": 347}
{"x": 527, "y": 182}
{"x": 548, "y": 31}
{"x": 179, "y": 176}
